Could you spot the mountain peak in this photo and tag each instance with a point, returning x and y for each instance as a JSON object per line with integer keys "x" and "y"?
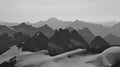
{"x": 53, "y": 19}
{"x": 87, "y": 34}
{"x": 46, "y": 26}
{"x": 23, "y": 24}
{"x": 47, "y": 30}
{"x": 98, "y": 44}
{"x": 79, "y": 21}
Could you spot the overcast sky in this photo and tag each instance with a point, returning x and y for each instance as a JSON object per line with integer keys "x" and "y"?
{"x": 35, "y": 10}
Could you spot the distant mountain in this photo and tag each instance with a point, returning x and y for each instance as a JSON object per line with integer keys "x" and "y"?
{"x": 38, "y": 42}
{"x": 112, "y": 39}
{"x": 115, "y": 29}
{"x": 87, "y": 34}
{"x": 53, "y": 22}
{"x": 46, "y": 30}
{"x": 7, "y": 40}
{"x": 109, "y": 24}
{"x": 96, "y": 29}
{"x": 25, "y": 28}
{"x": 5, "y": 29}
{"x": 68, "y": 40}
{"x": 98, "y": 44}
{"x": 8, "y": 23}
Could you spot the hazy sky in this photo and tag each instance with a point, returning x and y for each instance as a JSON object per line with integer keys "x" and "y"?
{"x": 35, "y": 10}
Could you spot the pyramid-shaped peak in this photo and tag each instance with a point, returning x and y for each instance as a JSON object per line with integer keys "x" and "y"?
{"x": 98, "y": 37}
{"x": 99, "y": 44}
{"x": 23, "y": 24}
{"x": 46, "y": 27}
{"x": 99, "y": 40}
{"x": 53, "y": 19}
{"x": 79, "y": 21}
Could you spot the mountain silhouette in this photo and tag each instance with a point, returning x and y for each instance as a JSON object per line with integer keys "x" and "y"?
{"x": 87, "y": 34}
{"x": 112, "y": 39}
{"x": 38, "y": 42}
{"x": 4, "y": 39}
{"x": 98, "y": 44}
{"x": 25, "y": 28}
{"x": 53, "y": 22}
{"x": 96, "y": 29}
{"x": 115, "y": 29}
{"x": 5, "y": 29}
{"x": 46, "y": 30}
{"x": 8, "y": 23}
{"x": 7, "y": 41}
{"x": 62, "y": 38}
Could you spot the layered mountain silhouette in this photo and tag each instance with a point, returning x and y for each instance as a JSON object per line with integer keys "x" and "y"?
{"x": 87, "y": 34}
{"x": 38, "y": 42}
{"x": 66, "y": 39}
{"x": 30, "y": 30}
{"x": 112, "y": 39}
{"x": 7, "y": 41}
{"x": 8, "y": 23}
{"x": 26, "y": 29}
{"x": 96, "y": 29}
{"x": 59, "y": 36}
{"x": 115, "y": 29}
{"x": 98, "y": 44}
{"x": 53, "y": 22}
{"x": 46, "y": 30}
{"x": 5, "y": 29}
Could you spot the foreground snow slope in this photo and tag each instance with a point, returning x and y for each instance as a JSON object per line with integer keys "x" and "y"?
{"x": 12, "y": 52}
{"x": 41, "y": 58}
{"x": 73, "y": 58}
{"x": 105, "y": 59}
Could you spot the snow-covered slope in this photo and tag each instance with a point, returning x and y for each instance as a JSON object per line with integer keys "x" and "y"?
{"x": 74, "y": 58}
{"x": 106, "y": 58}
{"x": 12, "y": 52}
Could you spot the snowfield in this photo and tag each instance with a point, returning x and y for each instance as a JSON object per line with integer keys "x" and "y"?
{"x": 69, "y": 59}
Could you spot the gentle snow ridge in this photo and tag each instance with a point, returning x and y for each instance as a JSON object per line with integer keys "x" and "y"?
{"x": 68, "y": 59}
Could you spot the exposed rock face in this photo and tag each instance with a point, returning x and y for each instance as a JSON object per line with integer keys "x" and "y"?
{"x": 26, "y": 29}
{"x": 38, "y": 42}
{"x": 64, "y": 38}
{"x": 46, "y": 30}
{"x": 112, "y": 39}
{"x": 87, "y": 34}
{"x": 98, "y": 44}
{"x": 5, "y": 29}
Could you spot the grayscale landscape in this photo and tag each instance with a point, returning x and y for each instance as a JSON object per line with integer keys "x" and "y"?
{"x": 59, "y": 33}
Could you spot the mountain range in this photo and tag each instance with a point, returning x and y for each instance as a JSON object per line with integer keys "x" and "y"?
{"x": 57, "y": 36}
{"x": 97, "y": 29}
{"x": 87, "y": 30}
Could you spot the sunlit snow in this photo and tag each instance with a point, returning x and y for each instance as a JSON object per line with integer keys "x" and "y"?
{"x": 69, "y": 59}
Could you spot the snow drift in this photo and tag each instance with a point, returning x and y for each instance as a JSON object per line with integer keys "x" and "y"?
{"x": 74, "y": 58}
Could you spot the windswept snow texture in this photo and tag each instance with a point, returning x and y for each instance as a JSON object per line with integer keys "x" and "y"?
{"x": 106, "y": 58}
{"x": 12, "y": 52}
{"x": 74, "y": 58}
{"x": 62, "y": 60}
